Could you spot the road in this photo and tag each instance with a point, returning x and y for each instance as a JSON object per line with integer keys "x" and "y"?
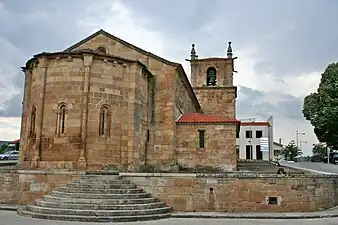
{"x": 11, "y": 218}
{"x": 8, "y": 162}
{"x": 316, "y": 167}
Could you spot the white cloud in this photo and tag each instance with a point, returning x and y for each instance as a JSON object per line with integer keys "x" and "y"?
{"x": 10, "y": 128}
{"x": 297, "y": 85}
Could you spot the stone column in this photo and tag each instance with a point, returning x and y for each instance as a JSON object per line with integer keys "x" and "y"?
{"x": 42, "y": 73}
{"x": 25, "y": 114}
{"x": 82, "y": 163}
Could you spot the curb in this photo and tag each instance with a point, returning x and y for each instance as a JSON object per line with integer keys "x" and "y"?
{"x": 257, "y": 216}
{"x": 4, "y": 207}
{"x": 253, "y": 215}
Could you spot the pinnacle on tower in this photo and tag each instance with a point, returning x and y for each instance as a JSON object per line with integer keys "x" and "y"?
{"x": 229, "y": 50}
{"x": 193, "y": 52}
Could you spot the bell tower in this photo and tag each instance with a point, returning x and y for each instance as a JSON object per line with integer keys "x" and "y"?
{"x": 212, "y": 81}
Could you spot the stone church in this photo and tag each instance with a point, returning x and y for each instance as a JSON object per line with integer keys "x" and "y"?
{"x": 105, "y": 103}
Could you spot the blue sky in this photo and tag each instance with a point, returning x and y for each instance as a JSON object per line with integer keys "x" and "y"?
{"x": 283, "y": 46}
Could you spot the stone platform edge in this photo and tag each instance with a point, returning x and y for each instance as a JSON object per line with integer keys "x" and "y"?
{"x": 233, "y": 174}
{"x": 253, "y": 215}
{"x": 329, "y": 213}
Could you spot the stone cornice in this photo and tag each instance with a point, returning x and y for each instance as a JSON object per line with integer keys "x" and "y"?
{"x": 80, "y": 54}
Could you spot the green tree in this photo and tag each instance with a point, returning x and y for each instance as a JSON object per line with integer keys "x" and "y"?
{"x": 17, "y": 146}
{"x": 3, "y": 148}
{"x": 277, "y": 154}
{"x": 291, "y": 150}
{"x": 321, "y": 107}
{"x": 319, "y": 150}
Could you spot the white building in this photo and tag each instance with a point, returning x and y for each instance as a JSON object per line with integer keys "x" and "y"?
{"x": 255, "y": 140}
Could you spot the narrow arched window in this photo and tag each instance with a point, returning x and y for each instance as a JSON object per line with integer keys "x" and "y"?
{"x": 61, "y": 119}
{"x": 32, "y": 122}
{"x": 102, "y": 50}
{"x": 104, "y": 121}
{"x": 211, "y": 76}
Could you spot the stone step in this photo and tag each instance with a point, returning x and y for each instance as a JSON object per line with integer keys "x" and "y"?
{"x": 150, "y": 205}
{"x": 70, "y": 200}
{"x": 99, "y": 182}
{"x": 100, "y": 196}
{"x": 99, "y": 186}
{"x": 83, "y": 212}
{"x": 100, "y": 191}
{"x": 24, "y": 212}
{"x": 103, "y": 177}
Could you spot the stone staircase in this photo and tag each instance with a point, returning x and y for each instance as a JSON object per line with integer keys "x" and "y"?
{"x": 98, "y": 198}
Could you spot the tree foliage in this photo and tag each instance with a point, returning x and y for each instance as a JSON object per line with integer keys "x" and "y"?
{"x": 291, "y": 150}
{"x": 321, "y": 108}
{"x": 3, "y": 148}
{"x": 319, "y": 150}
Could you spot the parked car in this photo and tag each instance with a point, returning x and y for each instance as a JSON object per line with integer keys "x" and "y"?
{"x": 333, "y": 158}
{"x": 10, "y": 155}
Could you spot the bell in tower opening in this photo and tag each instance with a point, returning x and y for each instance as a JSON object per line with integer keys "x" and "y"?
{"x": 211, "y": 77}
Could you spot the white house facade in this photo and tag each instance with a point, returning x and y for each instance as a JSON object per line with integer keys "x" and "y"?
{"x": 255, "y": 141}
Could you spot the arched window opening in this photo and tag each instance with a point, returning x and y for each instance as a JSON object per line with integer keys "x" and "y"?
{"x": 211, "y": 76}
{"x": 104, "y": 121}
{"x": 32, "y": 122}
{"x": 102, "y": 50}
{"x": 61, "y": 119}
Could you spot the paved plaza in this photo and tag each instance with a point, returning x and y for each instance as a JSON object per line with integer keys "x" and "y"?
{"x": 11, "y": 218}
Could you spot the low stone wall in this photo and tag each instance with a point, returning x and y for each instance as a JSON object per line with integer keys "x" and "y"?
{"x": 240, "y": 192}
{"x": 226, "y": 192}
{"x": 25, "y": 186}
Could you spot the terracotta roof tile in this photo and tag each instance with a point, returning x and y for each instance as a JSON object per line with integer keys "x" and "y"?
{"x": 14, "y": 142}
{"x": 262, "y": 123}
{"x": 202, "y": 118}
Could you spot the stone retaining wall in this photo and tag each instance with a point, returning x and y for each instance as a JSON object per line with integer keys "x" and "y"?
{"x": 23, "y": 187}
{"x": 227, "y": 192}
{"x": 240, "y": 192}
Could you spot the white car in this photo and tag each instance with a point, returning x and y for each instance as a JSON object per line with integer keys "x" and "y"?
{"x": 10, "y": 155}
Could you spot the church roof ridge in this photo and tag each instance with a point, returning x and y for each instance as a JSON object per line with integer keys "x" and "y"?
{"x": 101, "y": 31}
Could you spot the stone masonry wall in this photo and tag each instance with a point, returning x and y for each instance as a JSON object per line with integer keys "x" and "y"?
{"x": 111, "y": 85}
{"x": 232, "y": 192}
{"x": 64, "y": 84}
{"x": 183, "y": 102}
{"x": 240, "y": 193}
{"x": 161, "y": 152}
{"x": 220, "y": 146}
{"x": 24, "y": 187}
{"x": 220, "y": 101}
{"x": 217, "y": 100}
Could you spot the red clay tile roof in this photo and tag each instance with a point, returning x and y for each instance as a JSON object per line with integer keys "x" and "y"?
{"x": 255, "y": 123}
{"x": 14, "y": 142}
{"x": 202, "y": 118}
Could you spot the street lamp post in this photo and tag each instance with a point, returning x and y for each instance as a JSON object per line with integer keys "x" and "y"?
{"x": 300, "y": 144}
{"x": 297, "y": 135}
